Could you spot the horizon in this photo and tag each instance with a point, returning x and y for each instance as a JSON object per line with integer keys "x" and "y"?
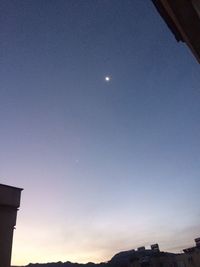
{"x": 100, "y": 126}
{"x": 110, "y": 260}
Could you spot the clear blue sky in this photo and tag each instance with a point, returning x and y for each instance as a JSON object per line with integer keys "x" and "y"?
{"x": 105, "y": 166}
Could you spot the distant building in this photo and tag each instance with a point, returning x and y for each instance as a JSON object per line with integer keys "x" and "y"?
{"x": 191, "y": 256}
{"x": 143, "y": 257}
{"x": 153, "y": 257}
{"x": 9, "y": 204}
{"x": 183, "y": 19}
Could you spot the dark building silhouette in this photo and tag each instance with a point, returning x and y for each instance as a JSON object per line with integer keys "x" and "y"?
{"x": 153, "y": 257}
{"x": 183, "y": 19}
{"x": 9, "y": 204}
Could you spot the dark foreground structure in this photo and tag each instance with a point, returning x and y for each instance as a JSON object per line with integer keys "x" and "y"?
{"x": 153, "y": 257}
{"x": 183, "y": 19}
{"x": 9, "y": 204}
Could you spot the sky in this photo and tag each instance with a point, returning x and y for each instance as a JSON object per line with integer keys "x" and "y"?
{"x": 106, "y": 166}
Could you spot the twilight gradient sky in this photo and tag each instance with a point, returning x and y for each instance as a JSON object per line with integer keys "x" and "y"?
{"x": 105, "y": 167}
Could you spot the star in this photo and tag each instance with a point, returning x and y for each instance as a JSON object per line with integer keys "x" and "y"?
{"x": 107, "y": 78}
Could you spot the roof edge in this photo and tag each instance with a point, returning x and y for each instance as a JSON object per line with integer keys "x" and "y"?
{"x": 9, "y": 186}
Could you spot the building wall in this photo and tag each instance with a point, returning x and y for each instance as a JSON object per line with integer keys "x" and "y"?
{"x": 7, "y": 223}
{"x": 9, "y": 203}
{"x": 169, "y": 260}
{"x": 159, "y": 260}
{"x": 191, "y": 259}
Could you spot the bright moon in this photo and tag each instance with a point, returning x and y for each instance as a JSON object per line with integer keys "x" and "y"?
{"x": 107, "y": 79}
